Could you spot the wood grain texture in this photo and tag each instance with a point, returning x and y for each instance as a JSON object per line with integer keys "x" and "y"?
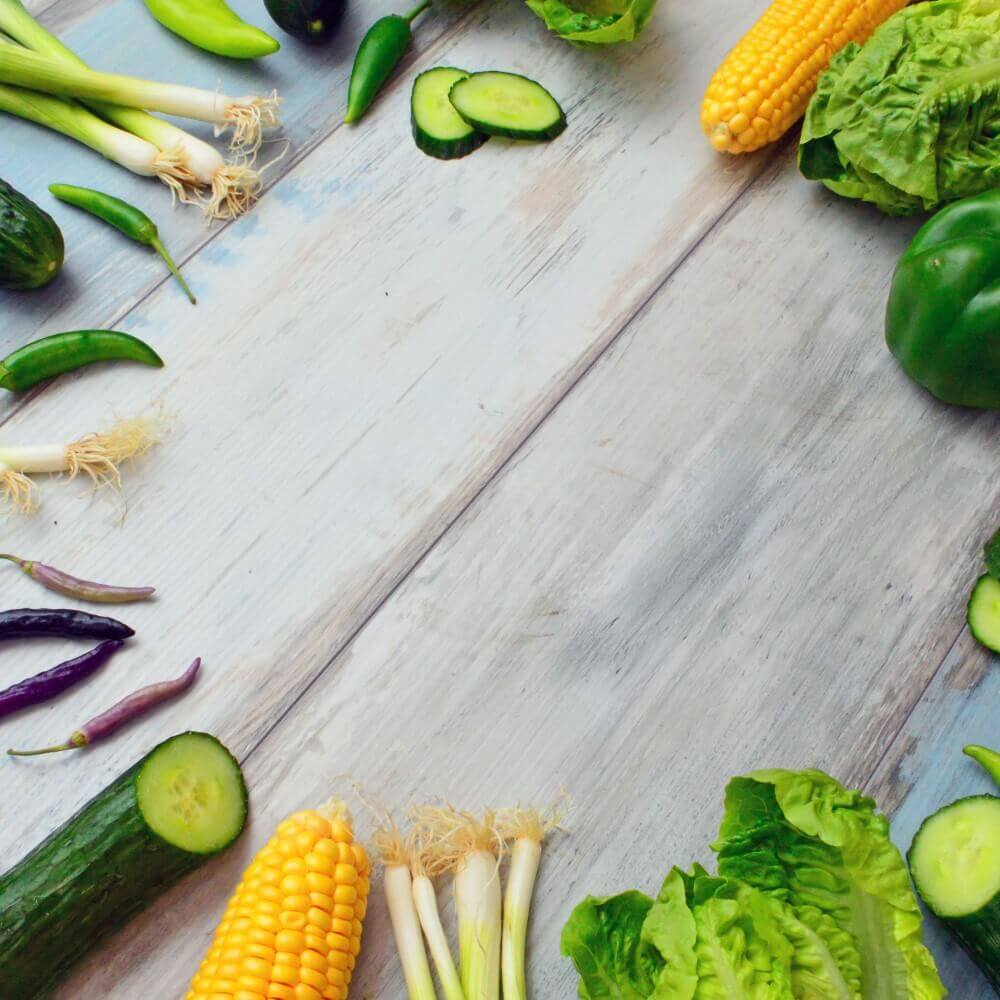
{"x": 371, "y": 345}
{"x": 105, "y": 275}
{"x": 924, "y": 769}
{"x": 743, "y": 540}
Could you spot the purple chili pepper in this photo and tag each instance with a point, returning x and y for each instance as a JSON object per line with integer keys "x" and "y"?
{"x": 71, "y": 586}
{"x": 27, "y": 623}
{"x": 132, "y": 707}
{"x": 52, "y": 682}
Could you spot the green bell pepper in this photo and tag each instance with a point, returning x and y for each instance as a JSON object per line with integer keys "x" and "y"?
{"x": 943, "y": 319}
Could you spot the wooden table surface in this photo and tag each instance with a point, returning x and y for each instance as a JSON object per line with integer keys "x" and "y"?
{"x": 581, "y": 466}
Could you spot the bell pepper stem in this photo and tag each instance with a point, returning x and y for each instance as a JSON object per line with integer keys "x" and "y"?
{"x": 419, "y": 9}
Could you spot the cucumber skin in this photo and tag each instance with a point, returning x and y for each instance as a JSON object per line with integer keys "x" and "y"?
{"x": 449, "y": 149}
{"x": 82, "y": 884}
{"x": 978, "y": 933}
{"x": 527, "y": 135}
{"x": 31, "y": 244}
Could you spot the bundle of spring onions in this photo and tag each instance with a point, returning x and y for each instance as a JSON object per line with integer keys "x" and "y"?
{"x": 492, "y": 931}
{"x": 45, "y": 82}
{"x": 96, "y": 456}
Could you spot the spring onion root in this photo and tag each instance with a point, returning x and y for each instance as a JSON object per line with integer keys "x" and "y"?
{"x": 425, "y": 898}
{"x": 395, "y": 853}
{"x": 472, "y": 849}
{"x": 96, "y": 456}
{"x": 527, "y": 830}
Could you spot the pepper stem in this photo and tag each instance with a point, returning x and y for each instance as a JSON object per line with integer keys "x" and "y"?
{"x": 162, "y": 251}
{"x": 37, "y": 753}
{"x": 419, "y": 9}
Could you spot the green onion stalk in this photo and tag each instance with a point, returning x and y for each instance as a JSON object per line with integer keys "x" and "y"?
{"x": 185, "y": 163}
{"x": 398, "y": 884}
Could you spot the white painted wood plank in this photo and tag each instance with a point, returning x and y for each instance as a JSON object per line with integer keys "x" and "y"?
{"x": 105, "y": 274}
{"x": 925, "y": 769}
{"x": 744, "y": 540}
{"x": 369, "y": 347}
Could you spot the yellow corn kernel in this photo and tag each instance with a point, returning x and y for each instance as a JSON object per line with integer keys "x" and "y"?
{"x": 763, "y": 86}
{"x": 293, "y": 924}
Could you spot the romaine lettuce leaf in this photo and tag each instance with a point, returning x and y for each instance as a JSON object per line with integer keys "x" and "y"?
{"x": 604, "y": 939}
{"x": 805, "y": 840}
{"x": 912, "y": 119}
{"x": 594, "y": 22}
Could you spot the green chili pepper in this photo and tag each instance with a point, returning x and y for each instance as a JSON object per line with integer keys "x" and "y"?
{"x": 65, "y": 352}
{"x": 378, "y": 55}
{"x": 124, "y": 217}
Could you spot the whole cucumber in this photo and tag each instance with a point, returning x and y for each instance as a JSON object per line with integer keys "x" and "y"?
{"x": 31, "y": 244}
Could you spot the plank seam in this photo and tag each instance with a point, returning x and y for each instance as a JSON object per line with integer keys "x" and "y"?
{"x": 894, "y": 739}
{"x": 587, "y": 364}
{"x": 213, "y": 232}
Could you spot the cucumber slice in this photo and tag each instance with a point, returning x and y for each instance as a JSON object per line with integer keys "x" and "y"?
{"x": 955, "y": 863}
{"x": 183, "y": 802}
{"x": 191, "y": 793}
{"x": 508, "y": 105}
{"x": 984, "y": 613}
{"x": 438, "y": 129}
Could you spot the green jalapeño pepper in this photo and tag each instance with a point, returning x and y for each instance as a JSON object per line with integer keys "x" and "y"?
{"x": 378, "y": 55}
{"x": 65, "y": 352}
{"x": 943, "y": 318}
{"x": 125, "y": 218}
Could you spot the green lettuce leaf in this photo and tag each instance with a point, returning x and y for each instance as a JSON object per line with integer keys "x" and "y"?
{"x": 803, "y": 839}
{"x": 912, "y": 119}
{"x": 594, "y": 22}
{"x": 604, "y": 939}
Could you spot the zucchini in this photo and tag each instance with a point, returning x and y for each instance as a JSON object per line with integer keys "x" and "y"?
{"x": 308, "y": 20}
{"x": 508, "y": 105}
{"x": 183, "y": 802}
{"x": 31, "y": 244}
{"x": 438, "y": 129}
{"x": 955, "y": 863}
{"x": 984, "y": 613}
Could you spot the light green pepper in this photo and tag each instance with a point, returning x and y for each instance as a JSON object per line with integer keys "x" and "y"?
{"x": 213, "y": 26}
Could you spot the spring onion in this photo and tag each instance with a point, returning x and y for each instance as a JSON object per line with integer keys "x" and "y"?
{"x": 471, "y": 848}
{"x": 247, "y": 116}
{"x": 185, "y": 164}
{"x": 398, "y": 885}
{"x": 425, "y": 898}
{"x": 78, "y": 123}
{"x": 96, "y": 456}
{"x": 527, "y": 829}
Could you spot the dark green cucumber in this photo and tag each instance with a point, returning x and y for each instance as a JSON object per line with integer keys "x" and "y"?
{"x": 991, "y": 553}
{"x": 984, "y": 613}
{"x": 955, "y": 863}
{"x": 308, "y": 20}
{"x": 183, "y": 802}
{"x": 438, "y": 129}
{"x": 508, "y": 105}
{"x": 31, "y": 244}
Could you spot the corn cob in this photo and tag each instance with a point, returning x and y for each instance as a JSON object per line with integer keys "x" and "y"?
{"x": 292, "y": 930}
{"x": 764, "y": 85}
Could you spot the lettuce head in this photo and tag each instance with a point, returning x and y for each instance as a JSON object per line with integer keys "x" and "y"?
{"x": 911, "y": 120}
{"x": 823, "y": 852}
